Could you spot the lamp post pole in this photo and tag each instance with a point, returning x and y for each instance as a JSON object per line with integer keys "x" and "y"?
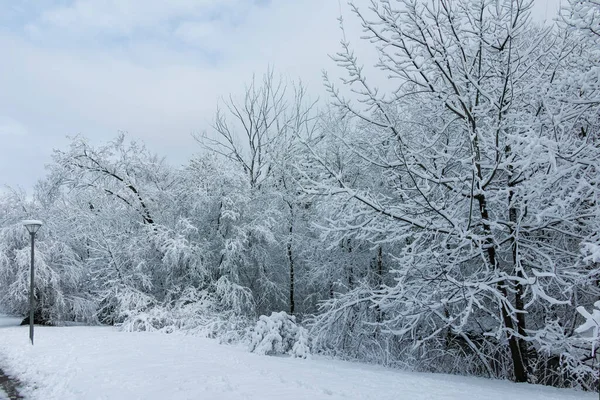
{"x": 31, "y": 288}
{"x": 32, "y": 227}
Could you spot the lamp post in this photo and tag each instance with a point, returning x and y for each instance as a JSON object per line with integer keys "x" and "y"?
{"x": 32, "y": 227}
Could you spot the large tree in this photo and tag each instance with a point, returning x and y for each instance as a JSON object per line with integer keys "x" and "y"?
{"x": 485, "y": 177}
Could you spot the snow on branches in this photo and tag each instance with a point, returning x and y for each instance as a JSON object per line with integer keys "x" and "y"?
{"x": 279, "y": 334}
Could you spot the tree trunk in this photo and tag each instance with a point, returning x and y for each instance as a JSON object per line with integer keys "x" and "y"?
{"x": 519, "y": 290}
{"x": 290, "y": 256}
{"x": 379, "y": 314}
{"x": 292, "y": 276}
{"x": 518, "y": 358}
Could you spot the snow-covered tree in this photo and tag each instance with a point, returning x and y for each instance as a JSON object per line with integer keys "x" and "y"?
{"x": 257, "y": 134}
{"x": 481, "y": 179}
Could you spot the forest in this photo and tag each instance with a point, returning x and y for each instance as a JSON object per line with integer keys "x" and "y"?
{"x": 447, "y": 220}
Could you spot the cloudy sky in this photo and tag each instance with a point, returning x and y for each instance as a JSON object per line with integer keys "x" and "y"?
{"x": 153, "y": 68}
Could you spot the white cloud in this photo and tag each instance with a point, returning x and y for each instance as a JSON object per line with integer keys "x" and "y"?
{"x": 124, "y": 16}
{"x": 198, "y": 33}
{"x": 63, "y": 72}
{"x": 11, "y": 127}
{"x": 156, "y": 91}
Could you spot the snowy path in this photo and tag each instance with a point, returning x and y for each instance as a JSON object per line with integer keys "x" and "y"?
{"x": 6, "y": 321}
{"x": 79, "y": 363}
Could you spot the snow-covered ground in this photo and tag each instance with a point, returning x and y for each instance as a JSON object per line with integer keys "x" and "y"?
{"x": 82, "y": 363}
{"x": 6, "y": 321}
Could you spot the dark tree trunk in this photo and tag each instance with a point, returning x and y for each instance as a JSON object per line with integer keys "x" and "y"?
{"x": 379, "y": 314}
{"x": 292, "y": 276}
{"x": 350, "y": 267}
{"x": 290, "y": 255}
{"x": 519, "y": 290}
{"x": 518, "y": 358}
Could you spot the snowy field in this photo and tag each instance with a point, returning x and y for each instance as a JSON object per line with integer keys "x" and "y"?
{"x": 79, "y": 363}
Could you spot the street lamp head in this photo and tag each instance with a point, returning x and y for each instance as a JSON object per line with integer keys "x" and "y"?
{"x": 32, "y": 225}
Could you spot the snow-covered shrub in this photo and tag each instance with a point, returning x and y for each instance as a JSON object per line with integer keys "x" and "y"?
{"x": 157, "y": 318}
{"x": 186, "y": 312}
{"x": 279, "y": 334}
{"x": 193, "y": 311}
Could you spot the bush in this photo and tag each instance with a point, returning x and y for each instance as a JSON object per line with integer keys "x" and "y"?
{"x": 194, "y": 312}
{"x": 279, "y": 334}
